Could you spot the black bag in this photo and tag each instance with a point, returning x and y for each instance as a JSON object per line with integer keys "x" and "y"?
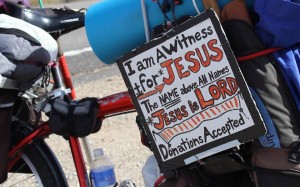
{"x": 74, "y": 118}
{"x": 223, "y": 169}
{"x": 7, "y": 98}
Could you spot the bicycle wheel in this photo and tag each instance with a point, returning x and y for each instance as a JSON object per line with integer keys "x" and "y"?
{"x": 38, "y": 165}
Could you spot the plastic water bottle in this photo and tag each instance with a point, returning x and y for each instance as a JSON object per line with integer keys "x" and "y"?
{"x": 150, "y": 171}
{"x": 102, "y": 172}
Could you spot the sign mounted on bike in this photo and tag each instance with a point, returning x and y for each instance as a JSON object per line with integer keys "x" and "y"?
{"x": 190, "y": 93}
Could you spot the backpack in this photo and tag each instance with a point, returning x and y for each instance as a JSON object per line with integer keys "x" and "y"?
{"x": 24, "y": 50}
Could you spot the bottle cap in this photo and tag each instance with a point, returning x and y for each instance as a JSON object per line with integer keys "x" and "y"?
{"x": 98, "y": 152}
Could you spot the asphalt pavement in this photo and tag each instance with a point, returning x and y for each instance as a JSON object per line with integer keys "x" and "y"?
{"x": 83, "y": 63}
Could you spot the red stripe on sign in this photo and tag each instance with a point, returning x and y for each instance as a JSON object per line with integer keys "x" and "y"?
{"x": 212, "y": 111}
{"x": 185, "y": 126}
{"x": 190, "y": 124}
{"x": 180, "y": 127}
{"x": 165, "y": 137}
{"x": 236, "y": 101}
{"x": 207, "y": 114}
{"x": 175, "y": 129}
{"x": 224, "y": 107}
{"x": 231, "y": 104}
{"x": 194, "y": 121}
{"x": 203, "y": 117}
{"x": 170, "y": 132}
{"x": 227, "y": 105}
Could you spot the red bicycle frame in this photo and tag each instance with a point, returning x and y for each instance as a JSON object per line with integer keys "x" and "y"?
{"x": 113, "y": 104}
{"x": 109, "y": 105}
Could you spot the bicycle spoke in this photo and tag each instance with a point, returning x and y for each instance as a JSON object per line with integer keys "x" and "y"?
{"x": 23, "y": 180}
{"x": 20, "y": 179}
{"x": 18, "y": 176}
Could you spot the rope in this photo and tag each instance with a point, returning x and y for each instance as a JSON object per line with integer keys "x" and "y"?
{"x": 257, "y": 54}
{"x": 41, "y": 3}
{"x": 196, "y": 7}
{"x": 159, "y": 181}
{"x": 145, "y": 19}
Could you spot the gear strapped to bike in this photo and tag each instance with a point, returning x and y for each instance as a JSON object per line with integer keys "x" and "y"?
{"x": 208, "y": 120}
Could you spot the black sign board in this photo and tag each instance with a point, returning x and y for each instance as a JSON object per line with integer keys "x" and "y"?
{"x": 190, "y": 94}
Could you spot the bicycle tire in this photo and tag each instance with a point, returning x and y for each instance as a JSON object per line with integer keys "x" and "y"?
{"x": 38, "y": 160}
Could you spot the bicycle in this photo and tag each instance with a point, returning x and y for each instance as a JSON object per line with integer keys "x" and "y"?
{"x": 30, "y": 146}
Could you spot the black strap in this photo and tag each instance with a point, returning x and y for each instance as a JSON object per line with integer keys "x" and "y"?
{"x": 19, "y": 33}
{"x": 70, "y": 125}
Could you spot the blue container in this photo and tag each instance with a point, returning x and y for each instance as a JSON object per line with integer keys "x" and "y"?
{"x": 115, "y": 27}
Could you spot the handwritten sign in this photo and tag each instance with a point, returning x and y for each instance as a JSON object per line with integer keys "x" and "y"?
{"x": 190, "y": 94}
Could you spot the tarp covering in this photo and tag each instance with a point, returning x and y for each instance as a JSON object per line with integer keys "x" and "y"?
{"x": 279, "y": 26}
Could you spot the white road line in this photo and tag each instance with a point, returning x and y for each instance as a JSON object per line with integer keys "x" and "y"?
{"x": 77, "y": 52}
